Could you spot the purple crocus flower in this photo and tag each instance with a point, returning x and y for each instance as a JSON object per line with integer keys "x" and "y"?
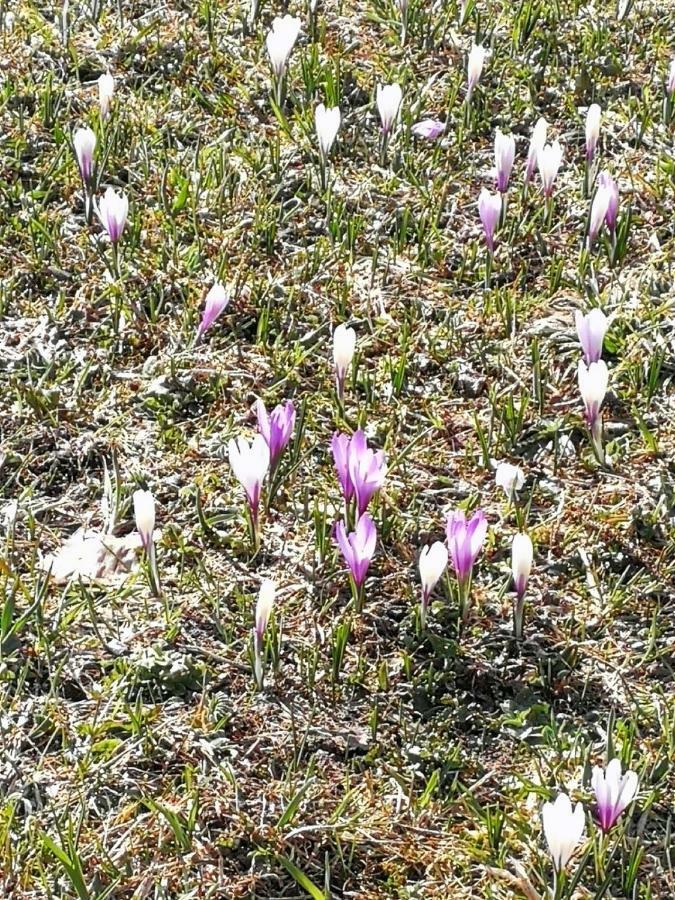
{"x": 591, "y": 329}
{"x": 489, "y": 210}
{"x": 606, "y": 181}
{"x": 465, "y": 540}
{"x": 429, "y": 129}
{"x": 357, "y": 547}
{"x": 367, "y": 470}
{"x": 340, "y": 448}
{"x": 505, "y": 152}
{"x": 613, "y": 792}
{"x": 216, "y": 301}
{"x": 112, "y": 211}
{"x": 360, "y": 470}
{"x": 84, "y": 144}
{"x": 276, "y": 427}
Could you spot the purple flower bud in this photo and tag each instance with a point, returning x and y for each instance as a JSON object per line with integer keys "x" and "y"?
{"x": 360, "y": 470}
{"x": 358, "y": 547}
{"x": 521, "y": 562}
{"x": 505, "y": 151}
{"x": 606, "y": 181}
{"x": 474, "y": 67}
{"x": 216, "y": 301}
{"x": 613, "y": 792}
{"x": 593, "y": 381}
{"x": 465, "y": 540}
{"x": 489, "y": 210}
{"x": 591, "y": 329}
{"x": 276, "y": 428}
{"x": 428, "y": 128}
{"x": 112, "y": 211}
{"x": 84, "y": 144}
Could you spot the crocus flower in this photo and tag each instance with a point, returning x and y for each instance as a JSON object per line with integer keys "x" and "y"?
{"x": 549, "y": 160}
{"x": 465, "y": 541}
{"x": 489, "y": 210}
{"x": 599, "y": 208}
{"x": 509, "y": 478}
{"x": 357, "y": 547}
{"x": 144, "y": 513}
{"x": 263, "y": 607}
{"x": 84, "y": 144}
{"x": 593, "y": 381}
{"x": 276, "y": 428}
{"x": 505, "y": 151}
{"x": 280, "y": 42}
{"x": 521, "y": 562}
{"x": 521, "y": 565}
{"x": 433, "y": 560}
{"x": 605, "y": 180}
{"x": 263, "y": 610}
{"x": 367, "y": 470}
{"x": 537, "y": 142}
{"x": 250, "y": 463}
{"x": 344, "y": 344}
{"x": 106, "y": 90}
{"x": 592, "y": 130}
{"x": 428, "y": 128}
{"x": 216, "y": 301}
{"x": 327, "y": 123}
{"x": 563, "y": 829}
{"x": 388, "y": 97}
{"x": 613, "y": 792}
{"x": 670, "y": 84}
{"x": 591, "y": 329}
{"x": 360, "y": 470}
{"x": 475, "y": 62}
{"x": 112, "y": 211}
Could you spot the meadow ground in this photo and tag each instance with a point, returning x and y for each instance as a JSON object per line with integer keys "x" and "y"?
{"x": 381, "y": 759}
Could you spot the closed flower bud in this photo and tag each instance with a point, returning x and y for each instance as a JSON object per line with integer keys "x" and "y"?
{"x": 537, "y": 141}
{"x": 389, "y": 98}
{"x": 549, "y": 161}
{"x": 563, "y": 829}
{"x": 112, "y": 211}
{"x": 505, "y": 151}
{"x": 474, "y": 67}
{"x": 591, "y": 329}
{"x": 599, "y": 208}
{"x": 592, "y": 130}
{"x": 432, "y": 563}
{"x": 593, "y": 380}
{"x": 263, "y": 607}
{"x": 106, "y": 90}
{"x": 216, "y": 301}
{"x": 327, "y": 123}
{"x": 144, "y": 513}
{"x": 84, "y": 144}
{"x": 605, "y": 180}
{"x": 344, "y": 344}
{"x": 489, "y": 210}
{"x": 521, "y": 562}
